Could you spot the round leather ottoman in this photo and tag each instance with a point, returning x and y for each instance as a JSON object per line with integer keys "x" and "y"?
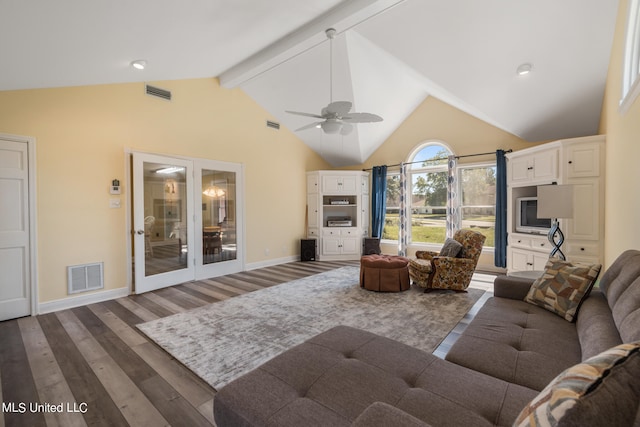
{"x": 384, "y": 273}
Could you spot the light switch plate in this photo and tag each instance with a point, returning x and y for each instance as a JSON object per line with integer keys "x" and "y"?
{"x": 114, "y": 203}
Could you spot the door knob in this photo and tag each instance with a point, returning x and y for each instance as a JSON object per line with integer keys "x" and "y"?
{"x": 140, "y": 231}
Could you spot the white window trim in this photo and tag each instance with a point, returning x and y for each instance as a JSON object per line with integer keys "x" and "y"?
{"x": 631, "y": 65}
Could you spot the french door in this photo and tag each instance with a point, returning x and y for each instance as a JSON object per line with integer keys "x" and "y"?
{"x": 219, "y": 218}
{"x": 162, "y": 221}
{"x": 188, "y": 220}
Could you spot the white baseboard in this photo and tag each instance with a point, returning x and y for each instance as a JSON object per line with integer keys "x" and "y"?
{"x": 271, "y": 262}
{"x": 77, "y": 301}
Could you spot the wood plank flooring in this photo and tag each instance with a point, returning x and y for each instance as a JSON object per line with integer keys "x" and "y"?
{"x": 92, "y": 362}
{"x": 93, "y": 359}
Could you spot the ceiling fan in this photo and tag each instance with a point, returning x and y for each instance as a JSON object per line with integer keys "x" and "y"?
{"x": 336, "y": 117}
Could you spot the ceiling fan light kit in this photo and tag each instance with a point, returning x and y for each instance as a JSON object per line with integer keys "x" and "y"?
{"x": 336, "y": 117}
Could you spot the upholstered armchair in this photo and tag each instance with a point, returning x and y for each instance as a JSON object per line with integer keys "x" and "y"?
{"x": 431, "y": 270}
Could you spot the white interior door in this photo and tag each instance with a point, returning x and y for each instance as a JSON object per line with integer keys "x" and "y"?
{"x": 219, "y": 218}
{"x": 15, "y": 263}
{"x": 163, "y": 221}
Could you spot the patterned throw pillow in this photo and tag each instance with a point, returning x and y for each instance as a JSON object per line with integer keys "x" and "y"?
{"x": 451, "y": 248}
{"x": 563, "y": 286}
{"x": 601, "y": 391}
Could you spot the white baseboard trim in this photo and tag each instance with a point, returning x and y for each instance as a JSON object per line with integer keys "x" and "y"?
{"x": 271, "y": 262}
{"x": 77, "y": 301}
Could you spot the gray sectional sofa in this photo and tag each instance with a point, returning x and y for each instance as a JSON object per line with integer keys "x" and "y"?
{"x": 508, "y": 354}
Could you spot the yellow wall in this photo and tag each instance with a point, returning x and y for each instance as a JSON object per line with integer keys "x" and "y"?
{"x": 622, "y": 228}
{"x": 434, "y": 119}
{"x": 465, "y": 134}
{"x": 81, "y": 137}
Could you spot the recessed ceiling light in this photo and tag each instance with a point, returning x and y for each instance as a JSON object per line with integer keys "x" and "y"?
{"x": 139, "y": 64}
{"x": 524, "y": 69}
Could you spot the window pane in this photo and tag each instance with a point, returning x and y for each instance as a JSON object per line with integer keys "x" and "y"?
{"x": 392, "y": 213}
{"x": 430, "y": 156}
{"x": 478, "y": 187}
{"x": 428, "y": 207}
{"x": 218, "y": 216}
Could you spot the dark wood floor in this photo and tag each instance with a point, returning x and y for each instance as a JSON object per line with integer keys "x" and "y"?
{"x": 93, "y": 359}
{"x": 93, "y": 362}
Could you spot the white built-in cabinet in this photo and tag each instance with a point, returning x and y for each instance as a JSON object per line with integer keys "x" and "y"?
{"x": 577, "y": 161}
{"x": 335, "y": 195}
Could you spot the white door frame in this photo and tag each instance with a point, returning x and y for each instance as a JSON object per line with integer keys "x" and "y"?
{"x": 32, "y": 215}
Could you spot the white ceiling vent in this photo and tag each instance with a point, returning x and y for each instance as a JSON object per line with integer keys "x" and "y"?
{"x": 157, "y": 92}
{"x": 86, "y": 277}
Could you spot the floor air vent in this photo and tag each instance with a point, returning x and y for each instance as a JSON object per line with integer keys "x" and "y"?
{"x": 86, "y": 277}
{"x": 157, "y": 92}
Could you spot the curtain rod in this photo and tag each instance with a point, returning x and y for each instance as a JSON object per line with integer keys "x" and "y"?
{"x": 457, "y": 157}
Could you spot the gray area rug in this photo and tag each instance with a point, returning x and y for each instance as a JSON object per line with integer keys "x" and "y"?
{"x": 222, "y": 341}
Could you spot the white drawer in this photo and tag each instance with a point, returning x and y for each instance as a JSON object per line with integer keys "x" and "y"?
{"x": 348, "y": 232}
{"x": 541, "y": 244}
{"x": 312, "y": 232}
{"x": 583, "y": 249}
{"x": 520, "y": 242}
{"x": 334, "y": 231}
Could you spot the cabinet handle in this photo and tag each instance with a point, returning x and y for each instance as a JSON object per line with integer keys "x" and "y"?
{"x": 530, "y": 168}
{"x": 529, "y": 263}
{"x": 519, "y": 241}
{"x": 582, "y": 249}
{"x": 570, "y": 162}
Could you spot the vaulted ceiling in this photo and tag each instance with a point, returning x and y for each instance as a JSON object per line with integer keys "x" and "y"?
{"x": 388, "y": 56}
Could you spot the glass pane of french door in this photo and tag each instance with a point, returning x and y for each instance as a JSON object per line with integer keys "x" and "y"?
{"x": 165, "y": 228}
{"x": 163, "y": 192}
{"x": 219, "y": 216}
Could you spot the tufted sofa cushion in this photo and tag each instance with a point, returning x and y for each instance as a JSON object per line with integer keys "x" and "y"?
{"x": 334, "y": 377}
{"x": 517, "y": 342}
{"x": 621, "y": 286}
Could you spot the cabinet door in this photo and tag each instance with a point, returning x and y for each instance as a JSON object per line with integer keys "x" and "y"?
{"x": 539, "y": 260}
{"x": 520, "y": 168}
{"x": 583, "y": 160}
{"x": 586, "y": 211}
{"x": 312, "y": 184}
{"x": 545, "y": 165}
{"x": 349, "y": 185}
{"x": 521, "y": 260}
{"x": 312, "y": 210}
{"x": 330, "y": 245}
{"x": 364, "y": 212}
{"x": 350, "y": 246}
{"x": 364, "y": 184}
{"x": 331, "y": 184}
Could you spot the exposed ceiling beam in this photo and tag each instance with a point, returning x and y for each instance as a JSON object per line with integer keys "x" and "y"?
{"x": 342, "y": 17}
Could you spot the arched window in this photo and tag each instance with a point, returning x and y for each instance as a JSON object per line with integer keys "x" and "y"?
{"x": 427, "y": 170}
{"x": 428, "y": 180}
{"x": 427, "y": 176}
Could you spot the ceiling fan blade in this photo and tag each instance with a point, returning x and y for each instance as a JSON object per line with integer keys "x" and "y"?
{"x": 347, "y": 128}
{"x": 362, "y": 118}
{"x": 309, "y": 126}
{"x": 316, "y": 116}
{"x": 338, "y": 107}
